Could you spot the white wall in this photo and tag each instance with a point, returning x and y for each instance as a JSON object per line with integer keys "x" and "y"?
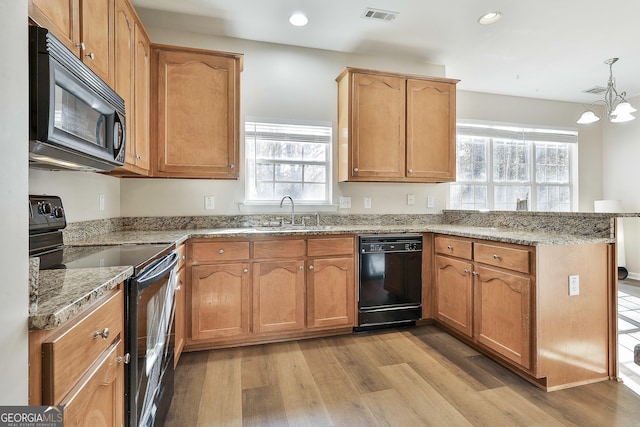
{"x": 621, "y": 175}
{"x": 14, "y": 290}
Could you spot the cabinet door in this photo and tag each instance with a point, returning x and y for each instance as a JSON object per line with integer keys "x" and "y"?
{"x": 220, "y": 300}
{"x": 431, "y": 145}
{"x": 378, "y": 127}
{"x": 124, "y": 23}
{"x": 180, "y": 314}
{"x": 454, "y": 294}
{"x": 330, "y": 292}
{"x": 98, "y": 399}
{"x": 197, "y": 114}
{"x": 278, "y": 296}
{"x": 503, "y": 314}
{"x": 61, "y": 17}
{"x": 142, "y": 101}
{"x": 96, "y": 26}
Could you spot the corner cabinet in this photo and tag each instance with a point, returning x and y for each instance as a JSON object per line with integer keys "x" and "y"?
{"x": 196, "y": 98}
{"x": 395, "y": 127}
{"x": 512, "y": 302}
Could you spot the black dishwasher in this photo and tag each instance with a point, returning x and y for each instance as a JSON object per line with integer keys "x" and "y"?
{"x": 390, "y": 284}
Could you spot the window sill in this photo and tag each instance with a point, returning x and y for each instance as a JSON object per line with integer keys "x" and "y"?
{"x": 275, "y": 208}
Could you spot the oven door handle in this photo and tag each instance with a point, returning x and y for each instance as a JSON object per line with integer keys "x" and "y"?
{"x": 155, "y": 271}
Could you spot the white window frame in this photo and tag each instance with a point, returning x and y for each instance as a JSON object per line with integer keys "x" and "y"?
{"x": 531, "y": 135}
{"x": 328, "y": 163}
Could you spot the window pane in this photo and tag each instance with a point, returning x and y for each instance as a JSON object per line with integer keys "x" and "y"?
{"x": 314, "y": 173}
{"x": 289, "y": 173}
{"x": 506, "y": 196}
{"x": 510, "y": 161}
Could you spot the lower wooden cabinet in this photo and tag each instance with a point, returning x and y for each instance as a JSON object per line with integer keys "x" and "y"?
{"x": 454, "y": 294}
{"x": 275, "y": 288}
{"x": 503, "y": 314}
{"x": 98, "y": 399}
{"x": 220, "y": 300}
{"x": 80, "y": 365}
{"x": 278, "y": 296}
{"x": 330, "y": 292}
{"x": 180, "y": 313}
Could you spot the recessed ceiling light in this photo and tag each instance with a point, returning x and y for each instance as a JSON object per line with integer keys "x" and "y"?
{"x": 298, "y": 19}
{"x": 489, "y": 18}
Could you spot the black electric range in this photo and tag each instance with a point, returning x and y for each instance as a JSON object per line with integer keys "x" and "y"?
{"x": 47, "y": 219}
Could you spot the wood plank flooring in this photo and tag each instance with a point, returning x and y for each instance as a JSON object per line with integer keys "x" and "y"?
{"x": 418, "y": 376}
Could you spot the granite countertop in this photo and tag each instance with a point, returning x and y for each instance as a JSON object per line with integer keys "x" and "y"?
{"x": 63, "y": 293}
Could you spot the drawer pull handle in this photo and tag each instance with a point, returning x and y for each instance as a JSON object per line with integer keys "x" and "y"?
{"x": 104, "y": 334}
{"x": 221, "y": 251}
{"x": 450, "y": 247}
{"x": 496, "y": 256}
{"x": 124, "y": 359}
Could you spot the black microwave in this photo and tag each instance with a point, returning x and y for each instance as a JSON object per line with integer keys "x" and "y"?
{"x": 77, "y": 122}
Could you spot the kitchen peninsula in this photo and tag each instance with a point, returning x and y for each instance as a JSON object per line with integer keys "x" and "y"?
{"x": 520, "y": 262}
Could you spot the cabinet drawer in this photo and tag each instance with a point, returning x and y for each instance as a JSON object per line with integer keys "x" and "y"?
{"x": 68, "y": 354}
{"x": 502, "y": 256}
{"x": 279, "y": 249}
{"x": 454, "y": 247}
{"x": 325, "y": 247}
{"x": 219, "y": 251}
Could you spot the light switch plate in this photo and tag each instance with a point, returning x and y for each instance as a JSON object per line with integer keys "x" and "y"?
{"x": 411, "y": 199}
{"x": 367, "y": 202}
{"x": 574, "y": 285}
{"x": 430, "y": 202}
{"x": 209, "y": 203}
{"x": 345, "y": 202}
{"x": 101, "y": 202}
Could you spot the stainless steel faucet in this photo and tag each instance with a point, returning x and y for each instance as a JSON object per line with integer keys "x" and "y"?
{"x": 293, "y": 208}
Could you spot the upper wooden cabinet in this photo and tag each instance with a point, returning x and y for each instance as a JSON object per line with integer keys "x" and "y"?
{"x": 86, "y": 27}
{"x": 197, "y": 102}
{"x": 395, "y": 127}
{"x": 132, "y": 82}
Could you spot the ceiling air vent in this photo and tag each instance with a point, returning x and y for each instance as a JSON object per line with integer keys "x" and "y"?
{"x": 596, "y": 90}
{"x": 380, "y": 15}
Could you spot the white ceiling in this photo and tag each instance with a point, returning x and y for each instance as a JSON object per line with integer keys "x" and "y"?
{"x": 549, "y": 49}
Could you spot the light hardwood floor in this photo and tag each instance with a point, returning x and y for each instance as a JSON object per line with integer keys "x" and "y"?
{"x": 417, "y": 376}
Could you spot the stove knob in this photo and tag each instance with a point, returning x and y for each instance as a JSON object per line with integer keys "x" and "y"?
{"x": 44, "y": 208}
{"x": 58, "y": 212}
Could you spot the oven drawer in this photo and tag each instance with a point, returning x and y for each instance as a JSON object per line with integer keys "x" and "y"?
{"x": 453, "y": 247}
{"x": 219, "y": 251}
{"x": 502, "y": 256}
{"x": 284, "y": 248}
{"x": 67, "y": 355}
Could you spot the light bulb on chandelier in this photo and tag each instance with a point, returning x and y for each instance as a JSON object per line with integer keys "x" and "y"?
{"x": 618, "y": 108}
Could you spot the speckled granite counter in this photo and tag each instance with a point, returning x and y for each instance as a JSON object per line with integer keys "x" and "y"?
{"x": 64, "y": 293}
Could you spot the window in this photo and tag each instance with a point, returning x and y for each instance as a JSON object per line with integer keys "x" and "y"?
{"x": 288, "y": 159}
{"x": 499, "y": 165}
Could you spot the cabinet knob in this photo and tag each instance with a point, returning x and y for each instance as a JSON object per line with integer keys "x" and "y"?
{"x": 496, "y": 256}
{"x": 104, "y": 334}
{"x": 450, "y": 247}
{"x": 475, "y": 273}
{"x": 221, "y": 251}
{"x": 124, "y": 359}
{"x": 311, "y": 267}
{"x": 232, "y": 166}
{"x": 466, "y": 271}
{"x": 301, "y": 268}
{"x": 410, "y": 171}
{"x": 91, "y": 55}
{"x": 355, "y": 170}
{"x": 178, "y": 288}
{"x": 81, "y": 46}
{"x": 246, "y": 270}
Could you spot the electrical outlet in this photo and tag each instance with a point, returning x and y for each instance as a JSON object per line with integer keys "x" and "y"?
{"x": 367, "y": 202}
{"x": 209, "y": 203}
{"x": 430, "y": 202}
{"x": 101, "y": 202}
{"x": 411, "y": 199}
{"x": 345, "y": 202}
{"x": 574, "y": 285}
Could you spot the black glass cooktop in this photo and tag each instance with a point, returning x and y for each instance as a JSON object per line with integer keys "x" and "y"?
{"x": 102, "y": 256}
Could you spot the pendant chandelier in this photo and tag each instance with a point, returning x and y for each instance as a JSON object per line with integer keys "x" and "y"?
{"x": 618, "y": 109}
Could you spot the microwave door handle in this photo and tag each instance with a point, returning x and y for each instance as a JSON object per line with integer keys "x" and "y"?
{"x": 155, "y": 271}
